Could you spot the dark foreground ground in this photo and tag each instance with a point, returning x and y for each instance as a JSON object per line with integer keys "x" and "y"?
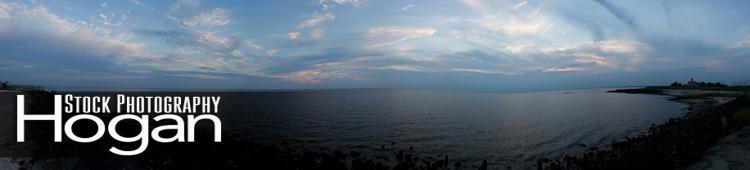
{"x": 676, "y": 144}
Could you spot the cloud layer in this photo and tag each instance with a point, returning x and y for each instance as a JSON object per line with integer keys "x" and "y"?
{"x": 355, "y": 43}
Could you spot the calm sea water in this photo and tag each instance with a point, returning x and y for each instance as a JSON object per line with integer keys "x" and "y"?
{"x": 507, "y": 129}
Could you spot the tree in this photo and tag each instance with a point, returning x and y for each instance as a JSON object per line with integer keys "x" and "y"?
{"x": 718, "y": 84}
{"x": 4, "y": 85}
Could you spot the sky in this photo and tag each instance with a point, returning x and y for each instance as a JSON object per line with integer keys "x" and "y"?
{"x": 497, "y": 45}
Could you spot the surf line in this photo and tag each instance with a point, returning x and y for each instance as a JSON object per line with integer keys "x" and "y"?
{"x": 126, "y": 106}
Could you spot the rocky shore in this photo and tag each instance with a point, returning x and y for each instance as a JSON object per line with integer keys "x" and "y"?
{"x": 677, "y": 144}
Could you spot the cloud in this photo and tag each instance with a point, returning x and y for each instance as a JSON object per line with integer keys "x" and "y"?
{"x": 255, "y": 46}
{"x": 345, "y": 64}
{"x": 182, "y": 4}
{"x": 521, "y": 4}
{"x": 519, "y": 19}
{"x": 293, "y": 35}
{"x": 32, "y": 39}
{"x": 618, "y": 13}
{"x": 610, "y": 53}
{"x": 744, "y": 43}
{"x": 213, "y": 18}
{"x": 16, "y": 19}
{"x": 202, "y": 42}
{"x": 203, "y": 76}
{"x": 152, "y": 9}
{"x": 480, "y": 5}
{"x": 517, "y": 48}
{"x": 407, "y": 68}
{"x": 352, "y": 2}
{"x": 316, "y": 32}
{"x": 564, "y": 69}
{"x": 217, "y": 64}
{"x": 209, "y": 41}
{"x": 171, "y": 37}
{"x": 485, "y": 61}
{"x": 383, "y": 36}
{"x": 315, "y": 76}
{"x": 211, "y": 38}
{"x": 473, "y": 70}
{"x": 271, "y": 52}
{"x": 407, "y": 7}
{"x": 593, "y": 58}
{"x": 103, "y": 16}
{"x": 517, "y": 26}
{"x": 316, "y": 19}
{"x": 489, "y": 39}
{"x": 314, "y": 23}
{"x": 401, "y": 32}
{"x": 614, "y": 46}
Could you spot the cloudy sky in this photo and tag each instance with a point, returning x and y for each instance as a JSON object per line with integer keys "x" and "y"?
{"x": 504, "y": 45}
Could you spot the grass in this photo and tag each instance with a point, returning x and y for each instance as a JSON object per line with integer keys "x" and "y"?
{"x": 712, "y": 94}
{"x": 645, "y": 90}
{"x": 730, "y": 91}
{"x": 728, "y": 88}
{"x": 742, "y": 117}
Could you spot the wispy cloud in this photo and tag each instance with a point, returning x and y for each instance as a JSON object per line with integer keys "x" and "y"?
{"x": 316, "y": 19}
{"x": 383, "y": 36}
{"x": 618, "y": 13}
{"x": 293, "y": 35}
{"x": 213, "y": 18}
{"x": 564, "y": 69}
{"x": 743, "y": 43}
{"x": 407, "y": 68}
{"x": 403, "y": 32}
{"x": 325, "y": 42}
{"x": 473, "y": 70}
{"x": 97, "y": 41}
{"x": 184, "y": 4}
{"x": 407, "y": 7}
{"x": 521, "y": 4}
{"x": 352, "y": 2}
{"x": 593, "y": 58}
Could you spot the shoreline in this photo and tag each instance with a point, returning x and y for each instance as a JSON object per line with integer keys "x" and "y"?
{"x": 675, "y": 144}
